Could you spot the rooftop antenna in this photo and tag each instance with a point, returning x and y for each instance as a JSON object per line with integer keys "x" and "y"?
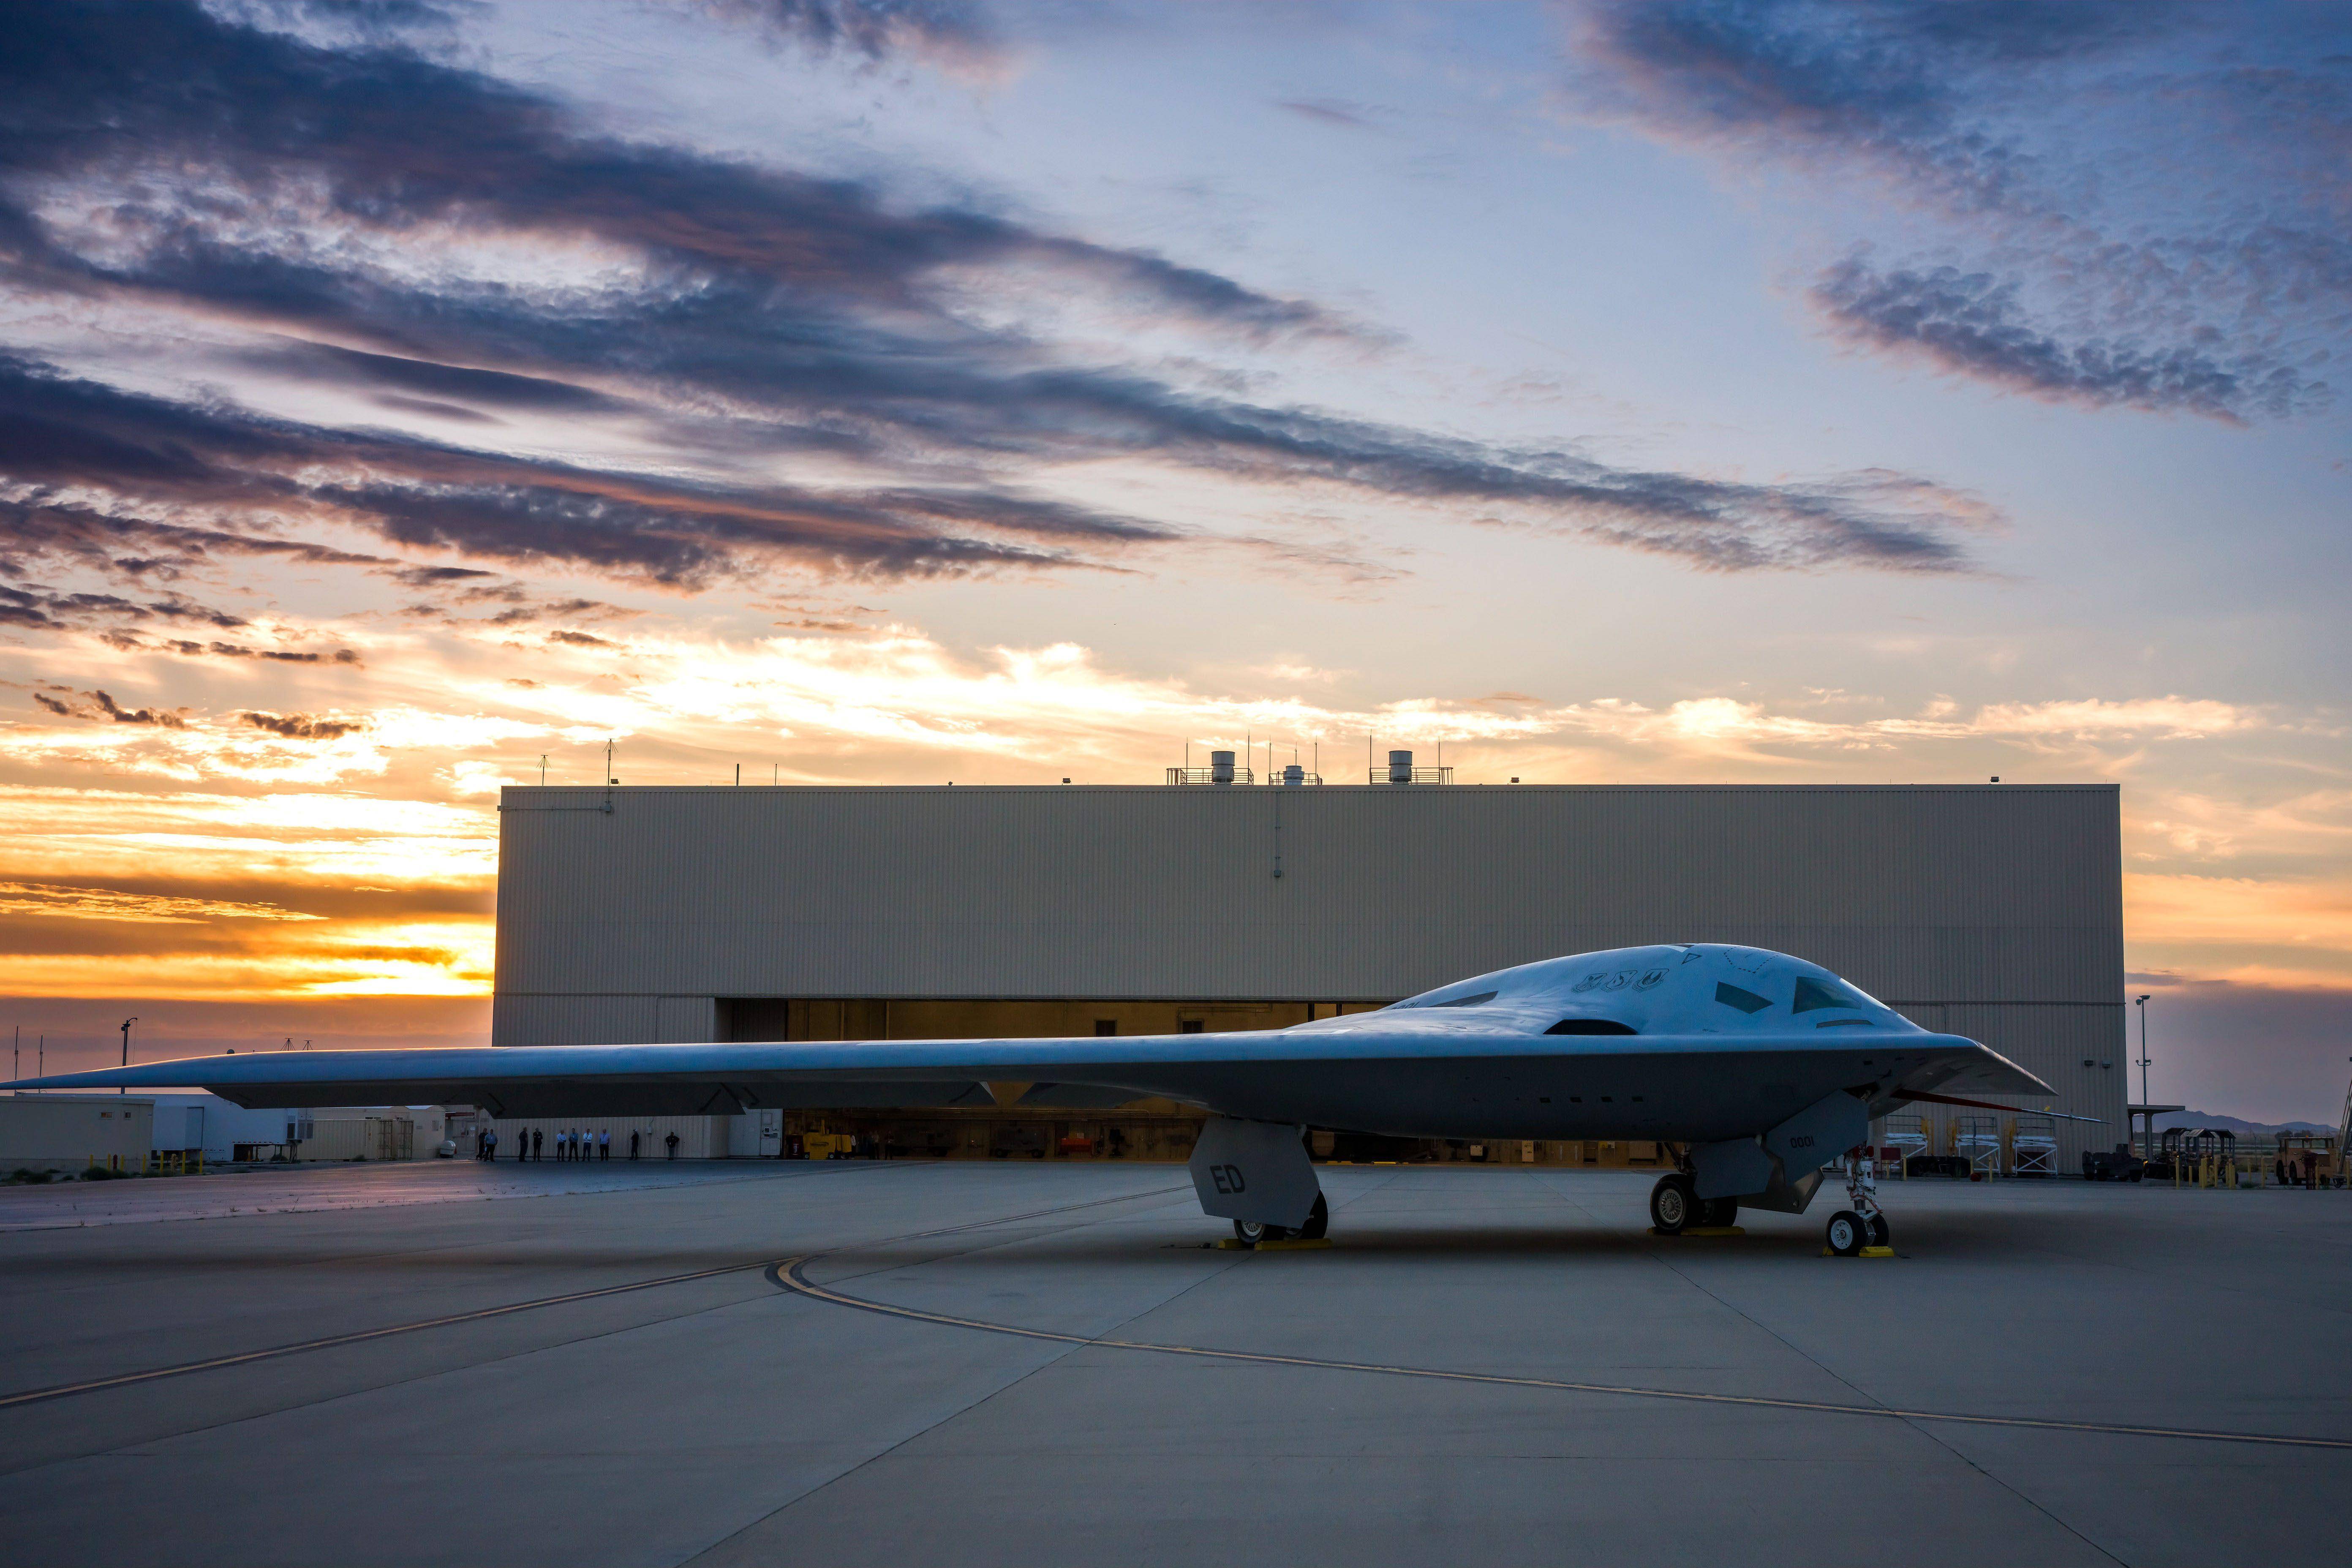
{"x": 543, "y": 770}
{"x": 609, "y": 779}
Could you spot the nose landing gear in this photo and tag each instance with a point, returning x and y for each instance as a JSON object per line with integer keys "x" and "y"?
{"x": 1861, "y": 1226}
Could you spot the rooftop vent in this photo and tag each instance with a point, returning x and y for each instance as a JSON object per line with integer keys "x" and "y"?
{"x": 1223, "y": 770}
{"x": 1401, "y": 771}
{"x": 1220, "y": 771}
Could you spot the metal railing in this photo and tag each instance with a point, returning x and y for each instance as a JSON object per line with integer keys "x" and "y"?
{"x": 1907, "y": 1134}
{"x": 2033, "y": 1147}
{"x": 1279, "y": 778}
{"x": 1979, "y": 1143}
{"x": 1419, "y": 776}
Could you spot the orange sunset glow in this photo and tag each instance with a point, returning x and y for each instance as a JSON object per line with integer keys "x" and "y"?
{"x": 461, "y": 407}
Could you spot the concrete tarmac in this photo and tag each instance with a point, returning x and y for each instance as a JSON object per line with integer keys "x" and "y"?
{"x": 613, "y": 1373}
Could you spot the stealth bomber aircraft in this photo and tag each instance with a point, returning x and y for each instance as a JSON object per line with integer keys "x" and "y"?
{"x": 1755, "y": 1071}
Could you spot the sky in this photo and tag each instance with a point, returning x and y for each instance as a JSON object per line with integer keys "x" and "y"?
{"x": 397, "y": 399}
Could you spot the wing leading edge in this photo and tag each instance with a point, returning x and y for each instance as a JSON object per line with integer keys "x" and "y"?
{"x": 1694, "y": 1042}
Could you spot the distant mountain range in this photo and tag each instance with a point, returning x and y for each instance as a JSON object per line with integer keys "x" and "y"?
{"x": 2232, "y": 1124}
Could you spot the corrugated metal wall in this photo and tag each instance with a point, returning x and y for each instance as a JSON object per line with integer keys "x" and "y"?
{"x": 622, "y": 925}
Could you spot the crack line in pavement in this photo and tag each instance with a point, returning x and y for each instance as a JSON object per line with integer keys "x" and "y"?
{"x": 1073, "y": 1342}
{"x": 242, "y": 1358}
{"x": 789, "y": 1274}
{"x": 1814, "y": 1362}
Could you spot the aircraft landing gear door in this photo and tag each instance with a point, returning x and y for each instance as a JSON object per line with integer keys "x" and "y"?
{"x": 772, "y": 1135}
{"x": 1257, "y": 1174}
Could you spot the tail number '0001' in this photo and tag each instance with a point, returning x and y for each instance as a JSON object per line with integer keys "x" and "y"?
{"x": 1228, "y": 1178}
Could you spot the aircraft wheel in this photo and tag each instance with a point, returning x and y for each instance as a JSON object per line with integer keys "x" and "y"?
{"x": 1879, "y": 1231}
{"x": 1847, "y": 1234}
{"x": 1673, "y": 1208}
{"x": 1719, "y": 1211}
{"x": 1318, "y": 1223}
{"x": 1250, "y": 1232}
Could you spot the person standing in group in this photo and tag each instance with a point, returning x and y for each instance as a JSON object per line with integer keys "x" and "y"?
{"x": 536, "y": 1144}
{"x": 672, "y": 1142}
{"x": 604, "y": 1143}
{"x": 633, "y": 1143}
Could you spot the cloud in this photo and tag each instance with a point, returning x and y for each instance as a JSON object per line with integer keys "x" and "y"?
{"x": 1971, "y": 324}
{"x": 397, "y": 139}
{"x": 238, "y": 650}
{"x": 2149, "y": 197}
{"x": 301, "y": 726}
{"x": 66, "y": 434}
{"x": 1328, "y": 111}
{"x": 54, "y": 901}
{"x": 352, "y": 203}
{"x": 954, "y": 36}
{"x": 101, "y": 706}
{"x": 499, "y": 389}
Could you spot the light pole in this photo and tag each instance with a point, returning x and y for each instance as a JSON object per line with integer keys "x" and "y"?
{"x": 2147, "y": 1118}
{"x": 126, "y": 1050}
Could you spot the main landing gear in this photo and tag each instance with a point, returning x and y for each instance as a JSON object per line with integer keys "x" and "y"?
{"x": 1861, "y": 1223}
{"x": 1250, "y": 1232}
{"x": 1675, "y": 1208}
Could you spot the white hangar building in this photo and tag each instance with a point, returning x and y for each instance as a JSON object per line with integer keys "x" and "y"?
{"x": 755, "y": 912}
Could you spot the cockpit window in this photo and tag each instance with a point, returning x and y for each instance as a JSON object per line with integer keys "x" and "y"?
{"x": 1731, "y": 996}
{"x": 1474, "y": 999}
{"x": 1813, "y": 995}
{"x": 1592, "y": 1026}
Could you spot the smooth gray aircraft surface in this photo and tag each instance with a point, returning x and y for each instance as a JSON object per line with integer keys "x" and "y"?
{"x": 1757, "y": 1069}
